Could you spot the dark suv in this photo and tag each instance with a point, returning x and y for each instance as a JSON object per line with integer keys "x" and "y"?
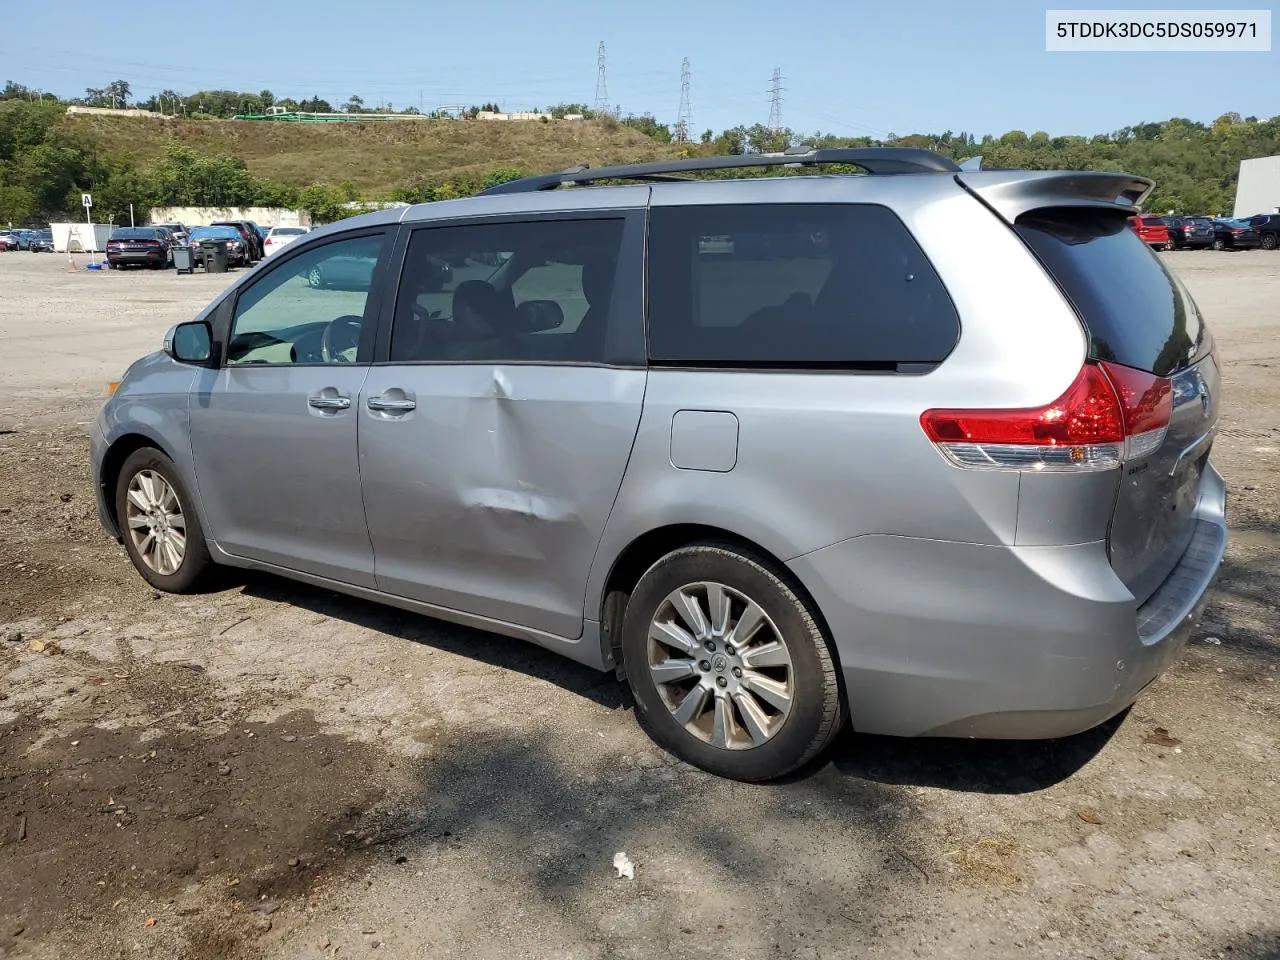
{"x": 1268, "y": 227}
{"x": 1189, "y": 233}
{"x": 252, "y": 241}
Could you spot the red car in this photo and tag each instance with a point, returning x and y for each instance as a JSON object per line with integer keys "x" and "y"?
{"x": 1152, "y": 230}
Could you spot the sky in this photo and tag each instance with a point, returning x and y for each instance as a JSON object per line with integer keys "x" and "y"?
{"x": 849, "y": 67}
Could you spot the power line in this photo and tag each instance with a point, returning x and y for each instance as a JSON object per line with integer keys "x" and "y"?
{"x": 602, "y": 86}
{"x": 775, "y": 101}
{"x": 684, "y": 117}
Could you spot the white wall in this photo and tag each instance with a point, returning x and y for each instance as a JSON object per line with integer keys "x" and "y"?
{"x": 1258, "y": 190}
{"x": 203, "y": 216}
{"x": 90, "y": 238}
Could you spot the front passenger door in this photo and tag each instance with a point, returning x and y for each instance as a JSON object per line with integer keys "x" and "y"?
{"x": 273, "y": 432}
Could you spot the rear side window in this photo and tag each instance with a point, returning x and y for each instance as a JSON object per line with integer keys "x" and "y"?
{"x": 793, "y": 285}
{"x": 1136, "y": 312}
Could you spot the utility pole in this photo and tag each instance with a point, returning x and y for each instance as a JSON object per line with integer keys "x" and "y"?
{"x": 775, "y": 101}
{"x": 684, "y": 118}
{"x": 602, "y": 87}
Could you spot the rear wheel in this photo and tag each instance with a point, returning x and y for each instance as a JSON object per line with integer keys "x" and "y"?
{"x": 728, "y": 665}
{"x": 1219, "y": 244}
{"x": 161, "y": 531}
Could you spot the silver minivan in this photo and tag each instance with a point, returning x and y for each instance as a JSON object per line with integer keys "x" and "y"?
{"x": 926, "y": 449}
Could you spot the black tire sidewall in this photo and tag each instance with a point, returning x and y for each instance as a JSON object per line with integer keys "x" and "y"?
{"x": 793, "y": 744}
{"x": 196, "y": 560}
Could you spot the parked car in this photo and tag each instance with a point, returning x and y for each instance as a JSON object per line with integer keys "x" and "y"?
{"x": 280, "y": 237}
{"x": 1232, "y": 234}
{"x": 8, "y": 241}
{"x": 16, "y": 239}
{"x": 1191, "y": 233}
{"x": 177, "y": 231}
{"x": 1268, "y": 227}
{"x": 41, "y": 242}
{"x": 252, "y": 242}
{"x": 721, "y": 472}
{"x": 237, "y": 248}
{"x": 1152, "y": 230}
{"x": 142, "y": 246}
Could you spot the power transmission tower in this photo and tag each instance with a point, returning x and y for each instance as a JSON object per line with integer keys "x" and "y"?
{"x": 775, "y": 101}
{"x": 684, "y": 119}
{"x": 602, "y": 87}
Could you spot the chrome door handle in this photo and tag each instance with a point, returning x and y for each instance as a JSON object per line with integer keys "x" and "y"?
{"x": 329, "y": 403}
{"x": 392, "y": 406}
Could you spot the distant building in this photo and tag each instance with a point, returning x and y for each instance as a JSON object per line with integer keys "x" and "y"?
{"x": 1258, "y": 189}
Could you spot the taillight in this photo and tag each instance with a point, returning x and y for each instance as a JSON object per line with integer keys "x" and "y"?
{"x": 1108, "y": 415}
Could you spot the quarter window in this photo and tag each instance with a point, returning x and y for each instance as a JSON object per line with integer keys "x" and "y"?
{"x": 310, "y": 308}
{"x": 793, "y": 285}
{"x": 502, "y": 292}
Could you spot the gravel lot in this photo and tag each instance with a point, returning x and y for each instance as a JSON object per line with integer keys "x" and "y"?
{"x": 275, "y": 771}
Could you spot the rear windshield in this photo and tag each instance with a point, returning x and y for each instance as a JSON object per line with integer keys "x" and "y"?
{"x": 134, "y": 233}
{"x": 288, "y": 231}
{"x": 1136, "y": 312}
{"x": 230, "y": 233}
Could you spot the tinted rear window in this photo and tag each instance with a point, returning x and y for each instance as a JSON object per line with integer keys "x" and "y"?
{"x": 134, "y": 233}
{"x": 793, "y": 285}
{"x": 1136, "y": 312}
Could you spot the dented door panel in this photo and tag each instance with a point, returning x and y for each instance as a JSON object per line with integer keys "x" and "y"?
{"x": 491, "y": 494}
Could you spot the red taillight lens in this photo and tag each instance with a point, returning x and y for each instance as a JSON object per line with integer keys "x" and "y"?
{"x": 1109, "y": 414}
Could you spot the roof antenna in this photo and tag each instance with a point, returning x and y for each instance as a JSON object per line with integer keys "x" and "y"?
{"x": 973, "y": 163}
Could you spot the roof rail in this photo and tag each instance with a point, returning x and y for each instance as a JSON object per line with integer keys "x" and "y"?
{"x": 874, "y": 160}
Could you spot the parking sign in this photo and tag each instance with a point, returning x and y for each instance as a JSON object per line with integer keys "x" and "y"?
{"x": 87, "y": 200}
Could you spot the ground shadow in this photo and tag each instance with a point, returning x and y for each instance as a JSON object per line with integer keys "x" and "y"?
{"x": 970, "y": 766}
{"x": 975, "y": 766}
{"x": 489, "y": 648}
{"x": 1259, "y": 945}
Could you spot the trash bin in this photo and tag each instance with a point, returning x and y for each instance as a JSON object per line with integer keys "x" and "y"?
{"x": 214, "y": 253}
{"x": 184, "y": 260}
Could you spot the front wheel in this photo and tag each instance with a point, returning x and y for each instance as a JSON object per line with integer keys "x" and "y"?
{"x": 728, "y": 666}
{"x": 162, "y": 533}
{"x": 1269, "y": 241}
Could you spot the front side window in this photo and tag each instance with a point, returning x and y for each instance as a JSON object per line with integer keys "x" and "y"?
{"x": 503, "y": 292}
{"x": 308, "y": 309}
{"x": 793, "y": 285}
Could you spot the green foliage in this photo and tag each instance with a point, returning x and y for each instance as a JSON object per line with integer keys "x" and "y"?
{"x": 650, "y": 127}
{"x": 184, "y": 178}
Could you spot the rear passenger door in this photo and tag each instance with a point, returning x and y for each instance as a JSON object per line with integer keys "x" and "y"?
{"x": 496, "y": 425}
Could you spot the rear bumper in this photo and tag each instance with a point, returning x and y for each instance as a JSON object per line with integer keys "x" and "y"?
{"x": 938, "y": 638}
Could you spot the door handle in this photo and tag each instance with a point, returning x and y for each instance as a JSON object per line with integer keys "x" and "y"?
{"x": 330, "y": 403}
{"x": 389, "y": 405}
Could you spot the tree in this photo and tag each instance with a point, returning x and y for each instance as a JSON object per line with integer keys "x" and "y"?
{"x": 118, "y": 91}
{"x": 354, "y": 104}
{"x": 268, "y": 99}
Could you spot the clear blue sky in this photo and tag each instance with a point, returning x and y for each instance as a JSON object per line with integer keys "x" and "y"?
{"x": 901, "y": 66}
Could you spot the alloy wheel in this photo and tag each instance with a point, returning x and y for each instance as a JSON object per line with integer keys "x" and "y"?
{"x": 721, "y": 665}
{"x": 154, "y": 517}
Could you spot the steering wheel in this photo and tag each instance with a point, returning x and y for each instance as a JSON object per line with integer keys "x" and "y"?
{"x": 340, "y": 336}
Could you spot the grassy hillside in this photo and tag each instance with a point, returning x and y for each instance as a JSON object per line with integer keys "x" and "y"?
{"x": 374, "y": 157}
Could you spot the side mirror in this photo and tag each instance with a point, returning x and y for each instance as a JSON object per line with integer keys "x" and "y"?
{"x": 535, "y": 316}
{"x": 190, "y": 342}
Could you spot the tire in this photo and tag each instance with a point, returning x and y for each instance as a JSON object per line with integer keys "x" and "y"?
{"x": 1219, "y": 244}
{"x": 1269, "y": 241}
{"x": 315, "y": 278}
{"x": 780, "y": 740}
{"x": 195, "y": 566}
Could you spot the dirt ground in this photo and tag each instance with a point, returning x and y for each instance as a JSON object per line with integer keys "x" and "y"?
{"x": 273, "y": 771}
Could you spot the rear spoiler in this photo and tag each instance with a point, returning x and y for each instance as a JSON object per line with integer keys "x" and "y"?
{"x": 1011, "y": 193}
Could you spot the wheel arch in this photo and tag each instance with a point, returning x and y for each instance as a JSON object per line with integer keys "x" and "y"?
{"x": 648, "y": 548}
{"x": 113, "y": 460}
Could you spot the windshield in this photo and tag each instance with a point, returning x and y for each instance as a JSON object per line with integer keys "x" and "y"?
{"x": 224, "y": 233}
